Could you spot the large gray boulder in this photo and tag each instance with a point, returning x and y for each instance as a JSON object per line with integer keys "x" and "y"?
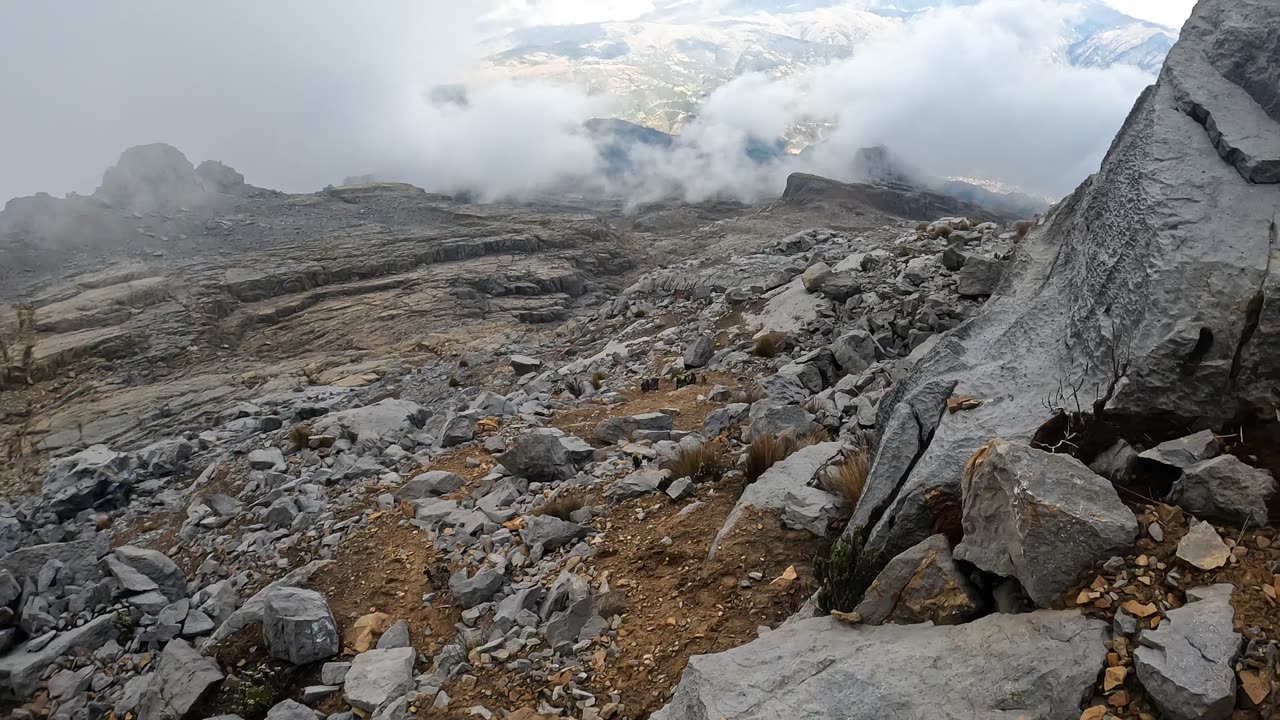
{"x": 1152, "y": 288}
{"x": 1226, "y": 490}
{"x": 297, "y": 626}
{"x": 699, "y": 352}
{"x": 621, "y": 428}
{"x": 1186, "y": 663}
{"x": 470, "y": 592}
{"x": 85, "y": 479}
{"x": 543, "y": 455}
{"x": 550, "y": 532}
{"x": 155, "y": 566}
{"x": 1042, "y": 518}
{"x": 79, "y": 559}
{"x": 183, "y": 677}
{"x": 771, "y": 417}
{"x": 1037, "y": 666}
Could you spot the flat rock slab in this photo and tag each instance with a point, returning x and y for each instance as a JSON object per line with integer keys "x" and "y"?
{"x": 1039, "y": 665}
{"x": 377, "y": 677}
{"x": 182, "y": 679}
{"x": 1203, "y": 548}
{"x": 1185, "y": 451}
{"x": 772, "y": 490}
{"x": 20, "y": 670}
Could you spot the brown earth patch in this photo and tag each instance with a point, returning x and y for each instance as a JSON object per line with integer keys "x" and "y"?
{"x": 690, "y": 411}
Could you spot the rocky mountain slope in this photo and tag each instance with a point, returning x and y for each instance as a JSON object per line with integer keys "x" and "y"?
{"x": 862, "y": 451}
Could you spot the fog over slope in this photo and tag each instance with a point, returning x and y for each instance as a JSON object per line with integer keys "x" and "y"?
{"x": 299, "y": 94}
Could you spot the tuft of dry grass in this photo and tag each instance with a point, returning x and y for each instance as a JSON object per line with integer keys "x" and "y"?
{"x": 454, "y": 381}
{"x": 749, "y": 395}
{"x": 816, "y": 434}
{"x": 560, "y": 506}
{"x": 597, "y": 379}
{"x": 767, "y": 345}
{"x": 1022, "y": 227}
{"x": 702, "y": 462}
{"x": 766, "y": 451}
{"x": 300, "y": 436}
{"x": 847, "y": 480}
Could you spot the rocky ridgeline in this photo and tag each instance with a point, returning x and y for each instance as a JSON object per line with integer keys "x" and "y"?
{"x": 1049, "y": 526}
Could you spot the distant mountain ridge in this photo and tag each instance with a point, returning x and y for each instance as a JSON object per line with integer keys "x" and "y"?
{"x": 665, "y": 63}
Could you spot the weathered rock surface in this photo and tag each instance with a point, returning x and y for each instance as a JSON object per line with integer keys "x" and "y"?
{"x": 155, "y": 566}
{"x": 541, "y": 455}
{"x": 378, "y": 677}
{"x": 1186, "y": 663}
{"x": 1133, "y": 283}
{"x": 921, "y": 585}
{"x": 1186, "y": 451}
{"x": 297, "y": 626}
{"x": 819, "y": 668}
{"x": 1203, "y": 548}
{"x": 182, "y": 679}
{"x": 1045, "y": 519}
{"x": 20, "y": 670}
{"x": 1226, "y": 490}
{"x": 432, "y": 483}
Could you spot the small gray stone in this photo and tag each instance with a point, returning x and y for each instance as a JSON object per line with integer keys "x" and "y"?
{"x": 1185, "y": 452}
{"x": 700, "y": 351}
{"x": 479, "y": 588}
{"x": 1203, "y": 548}
{"x": 550, "y": 532}
{"x": 1226, "y": 490}
{"x": 292, "y": 710}
{"x": 267, "y": 459}
{"x": 334, "y": 673}
{"x": 640, "y": 482}
{"x": 396, "y": 636}
{"x": 432, "y": 483}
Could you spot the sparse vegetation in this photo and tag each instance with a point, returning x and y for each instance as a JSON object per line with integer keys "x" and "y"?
{"x": 300, "y": 436}
{"x": 597, "y": 379}
{"x": 749, "y": 395}
{"x": 815, "y": 406}
{"x": 454, "y": 381}
{"x": 847, "y": 479}
{"x": 639, "y": 313}
{"x": 814, "y": 435}
{"x": 767, "y": 345}
{"x": 560, "y": 506}
{"x": 845, "y": 573}
{"x": 703, "y": 462}
{"x": 766, "y": 451}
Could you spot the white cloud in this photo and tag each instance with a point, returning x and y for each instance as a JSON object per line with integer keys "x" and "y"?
{"x": 1172, "y": 13}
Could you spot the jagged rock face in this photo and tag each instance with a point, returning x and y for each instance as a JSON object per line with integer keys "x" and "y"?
{"x": 1139, "y": 288}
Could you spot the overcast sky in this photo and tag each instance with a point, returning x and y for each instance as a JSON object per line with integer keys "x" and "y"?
{"x": 300, "y": 93}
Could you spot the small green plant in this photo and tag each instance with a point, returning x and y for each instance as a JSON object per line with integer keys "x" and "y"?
{"x": 767, "y": 345}
{"x": 123, "y": 623}
{"x": 766, "y": 451}
{"x": 597, "y": 379}
{"x": 253, "y": 689}
{"x": 454, "y": 381}
{"x": 845, "y": 573}
{"x": 560, "y": 506}
{"x": 701, "y": 463}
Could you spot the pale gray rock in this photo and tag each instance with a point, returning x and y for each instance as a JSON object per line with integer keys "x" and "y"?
{"x": 291, "y": 710}
{"x": 383, "y": 422}
{"x": 550, "y": 532}
{"x": 395, "y": 636}
{"x": 335, "y": 673}
{"x": 251, "y": 612}
{"x": 523, "y": 364}
{"x": 183, "y": 677}
{"x": 377, "y": 677}
{"x": 491, "y": 404}
{"x": 1186, "y": 663}
{"x": 620, "y": 428}
{"x": 640, "y": 482}
{"x": 980, "y": 276}
{"x": 432, "y": 483}
{"x": 770, "y": 417}
{"x": 1042, "y": 518}
{"x": 699, "y": 352}
{"x": 1202, "y": 547}
{"x": 297, "y": 626}
{"x": 724, "y": 419}
{"x": 819, "y": 668}
{"x": 815, "y": 275}
{"x": 479, "y": 588}
{"x": 79, "y": 559}
{"x": 855, "y": 351}
{"x": 83, "y": 480}
{"x": 1226, "y": 490}
{"x": 1185, "y": 452}
{"x": 539, "y": 455}
{"x": 781, "y": 486}
{"x": 267, "y": 459}
{"x": 155, "y": 566}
